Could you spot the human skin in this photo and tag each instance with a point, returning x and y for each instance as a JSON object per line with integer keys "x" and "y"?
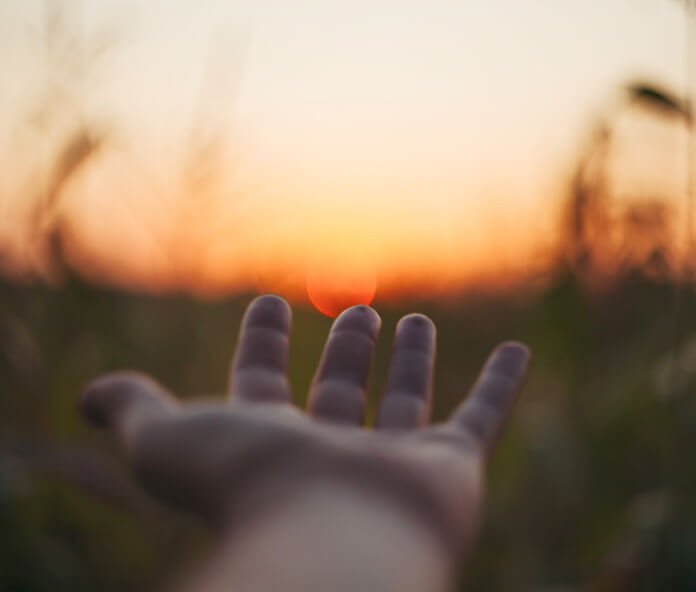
{"x": 390, "y": 508}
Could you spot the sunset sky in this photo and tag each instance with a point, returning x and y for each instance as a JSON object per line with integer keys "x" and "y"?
{"x": 425, "y": 143}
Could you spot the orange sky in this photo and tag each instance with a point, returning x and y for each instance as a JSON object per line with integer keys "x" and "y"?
{"x": 427, "y": 143}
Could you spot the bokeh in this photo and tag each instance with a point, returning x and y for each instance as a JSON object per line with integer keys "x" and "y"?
{"x": 593, "y": 486}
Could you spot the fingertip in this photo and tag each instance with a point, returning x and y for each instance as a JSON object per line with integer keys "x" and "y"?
{"x": 417, "y": 319}
{"x": 416, "y": 331}
{"x": 97, "y": 398}
{"x": 510, "y": 357}
{"x": 268, "y": 310}
{"x": 513, "y": 345}
{"x": 103, "y": 399}
{"x": 359, "y": 311}
{"x": 271, "y": 299}
{"x": 361, "y": 318}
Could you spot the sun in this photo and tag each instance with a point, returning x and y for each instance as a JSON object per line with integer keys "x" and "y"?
{"x": 335, "y": 285}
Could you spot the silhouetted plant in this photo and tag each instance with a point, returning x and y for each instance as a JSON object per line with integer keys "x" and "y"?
{"x": 603, "y": 241}
{"x": 69, "y": 61}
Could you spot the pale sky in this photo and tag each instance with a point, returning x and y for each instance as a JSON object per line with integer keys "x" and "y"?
{"x": 409, "y": 132}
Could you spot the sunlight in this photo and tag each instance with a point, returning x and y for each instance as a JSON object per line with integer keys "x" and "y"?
{"x": 334, "y": 286}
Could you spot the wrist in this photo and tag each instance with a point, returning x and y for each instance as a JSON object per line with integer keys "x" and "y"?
{"x": 376, "y": 481}
{"x": 334, "y": 536}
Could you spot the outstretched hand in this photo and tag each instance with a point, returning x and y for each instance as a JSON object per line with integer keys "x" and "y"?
{"x": 229, "y": 461}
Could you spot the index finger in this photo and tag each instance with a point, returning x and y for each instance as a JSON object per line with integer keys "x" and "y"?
{"x": 482, "y": 415}
{"x": 259, "y": 370}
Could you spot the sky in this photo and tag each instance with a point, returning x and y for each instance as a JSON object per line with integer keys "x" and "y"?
{"x": 402, "y": 143}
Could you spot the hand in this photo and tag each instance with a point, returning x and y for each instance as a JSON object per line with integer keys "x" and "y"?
{"x": 230, "y": 460}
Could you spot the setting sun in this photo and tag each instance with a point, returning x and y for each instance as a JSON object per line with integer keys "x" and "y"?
{"x": 333, "y": 288}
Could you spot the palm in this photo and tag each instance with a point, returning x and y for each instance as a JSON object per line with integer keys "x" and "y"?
{"x": 229, "y": 460}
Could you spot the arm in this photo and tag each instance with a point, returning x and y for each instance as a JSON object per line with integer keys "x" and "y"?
{"x": 329, "y": 538}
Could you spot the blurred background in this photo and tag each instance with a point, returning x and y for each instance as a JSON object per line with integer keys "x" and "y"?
{"x": 514, "y": 169}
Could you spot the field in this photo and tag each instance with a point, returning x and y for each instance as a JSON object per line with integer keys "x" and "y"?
{"x": 592, "y": 487}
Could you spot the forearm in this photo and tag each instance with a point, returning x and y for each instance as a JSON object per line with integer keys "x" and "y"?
{"x": 330, "y": 537}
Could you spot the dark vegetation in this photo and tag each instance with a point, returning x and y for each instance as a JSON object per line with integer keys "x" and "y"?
{"x": 593, "y": 487}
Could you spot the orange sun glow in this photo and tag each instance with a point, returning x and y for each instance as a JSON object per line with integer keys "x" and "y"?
{"x": 333, "y": 288}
